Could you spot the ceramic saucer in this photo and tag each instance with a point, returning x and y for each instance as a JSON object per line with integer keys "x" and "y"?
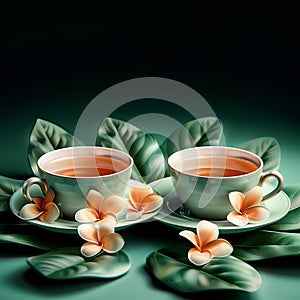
{"x": 17, "y": 201}
{"x": 180, "y": 218}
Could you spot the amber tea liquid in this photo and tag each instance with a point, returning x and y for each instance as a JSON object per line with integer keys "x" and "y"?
{"x": 222, "y": 167}
{"x": 89, "y": 167}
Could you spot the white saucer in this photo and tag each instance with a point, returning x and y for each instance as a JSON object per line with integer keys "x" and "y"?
{"x": 17, "y": 201}
{"x": 278, "y": 205}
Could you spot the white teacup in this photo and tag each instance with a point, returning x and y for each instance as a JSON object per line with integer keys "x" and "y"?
{"x": 204, "y": 176}
{"x": 72, "y": 172}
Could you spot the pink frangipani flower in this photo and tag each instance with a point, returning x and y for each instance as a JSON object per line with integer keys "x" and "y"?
{"x": 142, "y": 200}
{"x": 45, "y": 209}
{"x": 99, "y": 237}
{"x": 247, "y": 208}
{"x": 207, "y": 244}
{"x": 100, "y": 208}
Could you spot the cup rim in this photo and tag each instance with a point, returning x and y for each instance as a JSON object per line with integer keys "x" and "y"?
{"x": 71, "y": 148}
{"x": 259, "y": 168}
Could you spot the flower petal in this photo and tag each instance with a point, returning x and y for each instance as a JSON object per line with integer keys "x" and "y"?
{"x": 30, "y": 211}
{"x": 49, "y": 197}
{"x": 253, "y": 196}
{"x": 191, "y": 236}
{"x": 51, "y": 213}
{"x": 108, "y": 217}
{"x": 133, "y": 214}
{"x": 151, "y": 202}
{"x": 94, "y": 200}
{"x": 104, "y": 228}
{"x": 113, "y": 204}
{"x": 89, "y": 249}
{"x": 86, "y": 215}
{"x": 237, "y": 218}
{"x": 113, "y": 243}
{"x": 129, "y": 203}
{"x": 237, "y": 200}
{"x": 219, "y": 248}
{"x": 88, "y": 232}
{"x": 207, "y": 232}
{"x": 257, "y": 214}
{"x": 39, "y": 202}
{"x": 199, "y": 258}
{"x": 138, "y": 193}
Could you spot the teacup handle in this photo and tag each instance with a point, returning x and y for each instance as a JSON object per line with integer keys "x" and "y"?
{"x": 279, "y": 186}
{"x": 31, "y": 181}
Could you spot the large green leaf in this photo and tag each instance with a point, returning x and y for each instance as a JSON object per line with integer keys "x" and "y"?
{"x": 264, "y": 244}
{"x": 200, "y": 132}
{"x": 171, "y": 266}
{"x": 148, "y": 158}
{"x": 293, "y": 191}
{"x": 291, "y": 221}
{"x": 267, "y": 148}
{"x": 28, "y": 235}
{"x": 67, "y": 263}
{"x": 45, "y": 137}
{"x": 117, "y": 134}
{"x": 7, "y": 187}
{"x": 196, "y": 133}
{"x": 26, "y": 240}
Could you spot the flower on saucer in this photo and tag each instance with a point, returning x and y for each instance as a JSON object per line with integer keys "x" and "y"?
{"x": 207, "y": 244}
{"x": 142, "y": 200}
{"x": 100, "y": 208}
{"x": 45, "y": 209}
{"x": 98, "y": 238}
{"x": 247, "y": 208}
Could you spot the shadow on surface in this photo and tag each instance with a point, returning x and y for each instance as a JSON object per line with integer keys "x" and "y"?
{"x": 287, "y": 266}
{"x": 10, "y": 250}
{"x": 220, "y": 294}
{"x": 152, "y": 232}
{"x": 32, "y": 281}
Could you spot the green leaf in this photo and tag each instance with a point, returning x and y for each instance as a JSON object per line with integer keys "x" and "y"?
{"x": 196, "y": 133}
{"x": 267, "y": 148}
{"x": 117, "y": 134}
{"x": 148, "y": 158}
{"x": 264, "y": 244}
{"x": 293, "y": 191}
{"x": 291, "y": 221}
{"x": 7, "y": 187}
{"x": 27, "y": 235}
{"x": 45, "y": 137}
{"x": 171, "y": 266}
{"x": 67, "y": 263}
{"x": 26, "y": 240}
{"x": 201, "y": 132}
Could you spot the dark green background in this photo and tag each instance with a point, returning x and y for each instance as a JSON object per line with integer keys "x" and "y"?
{"x": 242, "y": 58}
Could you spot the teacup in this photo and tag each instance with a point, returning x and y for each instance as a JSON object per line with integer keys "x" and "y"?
{"x": 204, "y": 176}
{"x": 72, "y": 172}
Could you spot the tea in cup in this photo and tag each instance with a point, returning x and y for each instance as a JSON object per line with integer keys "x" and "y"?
{"x": 72, "y": 172}
{"x": 204, "y": 176}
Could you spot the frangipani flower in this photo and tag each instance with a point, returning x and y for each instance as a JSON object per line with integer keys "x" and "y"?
{"x": 101, "y": 237}
{"x": 142, "y": 200}
{"x": 206, "y": 242}
{"x": 100, "y": 208}
{"x": 45, "y": 209}
{"x": 247, "y": 207}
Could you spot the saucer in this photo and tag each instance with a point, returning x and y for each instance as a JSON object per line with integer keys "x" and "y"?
{"x": 279, "y": 206}
{"x": 17, "y": 201}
